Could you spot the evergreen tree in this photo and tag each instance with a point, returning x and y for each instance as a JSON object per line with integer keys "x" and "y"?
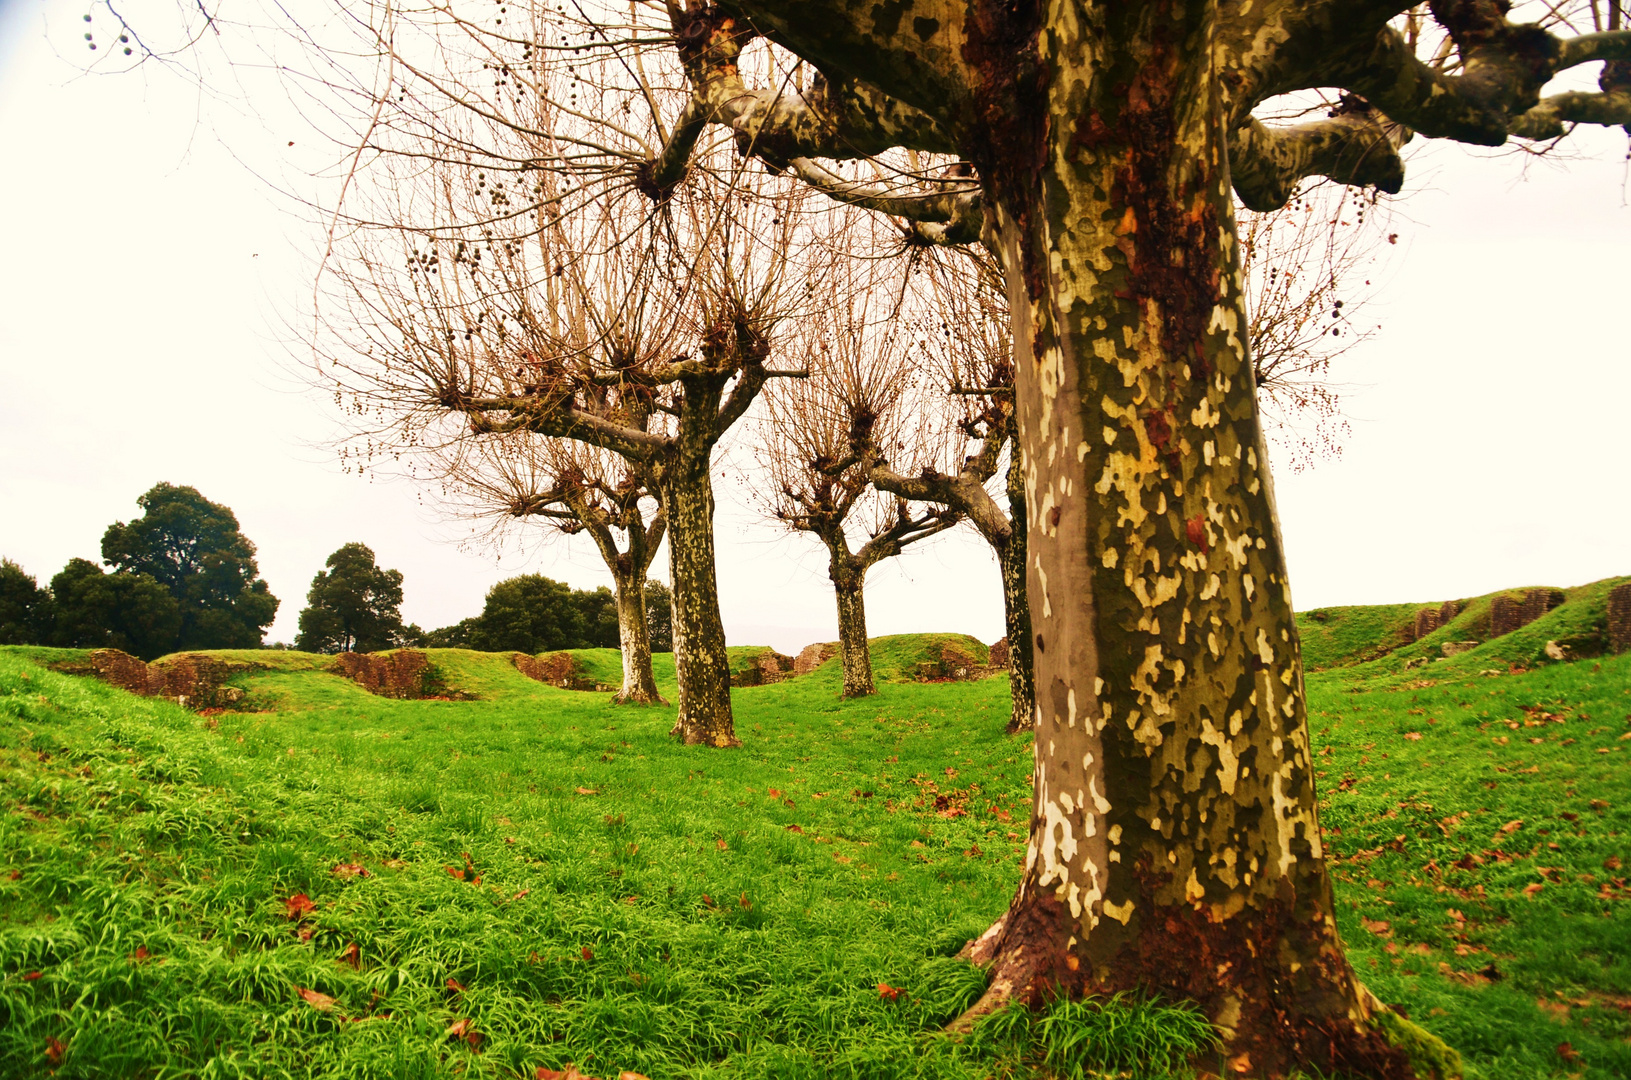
{"x": 597, "y": 609}
{"x": 98, "y": 610}
{"x": 660, "y": 616}
{"x": 531, "y": 614}
{"x": 353, "y": 606}
{"x": 194, "y": 549}
{"x": 26, "y": 610}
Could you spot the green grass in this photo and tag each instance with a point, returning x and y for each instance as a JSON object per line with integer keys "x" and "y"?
{"x": 646, "y": 906}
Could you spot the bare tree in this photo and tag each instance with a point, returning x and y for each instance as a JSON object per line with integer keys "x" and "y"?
{"x": 646, "y": 334}
{"x": 577, "y": 488}
{"x": 1095, "y": 151}
{"x": 815, "y": 447}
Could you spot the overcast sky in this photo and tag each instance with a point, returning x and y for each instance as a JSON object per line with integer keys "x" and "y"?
{"x": 150, "y": 278}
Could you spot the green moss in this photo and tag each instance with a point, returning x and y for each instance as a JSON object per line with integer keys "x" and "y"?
{"x": 1430, "y": 1056}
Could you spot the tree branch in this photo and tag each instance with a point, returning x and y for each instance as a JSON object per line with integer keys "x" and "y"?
{"x": 1355, "y": 148}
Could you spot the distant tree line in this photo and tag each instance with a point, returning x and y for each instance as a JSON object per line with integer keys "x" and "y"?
{"x": 183, "y": 576}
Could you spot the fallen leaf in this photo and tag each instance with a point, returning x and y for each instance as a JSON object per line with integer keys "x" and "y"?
{"x": 455, "y": 985}
{"x": 1512, "y": 826}
{"x": 1567, "y": 1052}
{"x": 31, "y": 976}
{"x": 320, "y": 1002}
{"x": 773, "y": 793}
{"x": 795, "y": 828}
{"x": 351, "y": 956}
{"x": 395, "y": 864}
{"x": 707, "y": 900}
{"x": 1241, "y": 1064}
{"x": 1531, "y": 890}
{"x": 888, "y": 993}
{"x": 1413, "y": 736}
{"x": 587, "y": 953}
{"x": 298, "y": 906}
{"x": 721, "y": 845}
{"x": 588, "y": 791}
{"x": 1611, "y": 863}
{"x": 1379, "y": 927}
{"x": 305, "y": 933}
{"x": 455, "y": 872}
{"x": 140, "y": 954}
{"x": 745, "y": 902}
{"x": 350, "y": 870}
{"x": 631, "y": 1076}
{"x": 520, "y": 894}
{"x": 54, "y": 1051}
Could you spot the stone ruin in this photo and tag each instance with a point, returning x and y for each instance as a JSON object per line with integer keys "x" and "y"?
{"x": 954, "y": 665}
{"x": 1429, "y": 619}
{"x": 405, "y": 674}
{"x": 1508, "y": 613}
{"x": 189, "y": 679}
{"x": 1619, "y": 618}
{"x": 813, "y": 656}
{"x": 767, "y": 667}
{"x": 999, "y": 653}
{"x": 559, "y": 669}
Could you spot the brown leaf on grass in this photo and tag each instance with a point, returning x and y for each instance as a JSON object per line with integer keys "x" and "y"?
{"x": 888, "y": 993}
{"x": 588, "y": 791}
{"x": 1531, "y": 890}
{"x": 774, "y": 793}
{"x": 305, "y": 933}
{"x": 587, "y": 953}
{"x": 1241, "y": 1064}
{"x": 519, "y": 895}
{"x": 139, "y": 955}
{"x": 54, "y": 1051}
{"x": 745, "y": 903}
{"x": 298, "y": 906}
{"x": 30, "y": 976}
{"x": 1512, "y": 826}
{"x": 320, "y": 1002}
{"x": 394, "y": 864}
{"x": 1379, "y": 927}
{"x": 455, "y": 985}
{"x": 454, "y": 872}
{"x": 795, "y": 828}
{"x": 721, "y": 845}
{"x": 352, "y": 956}
{"x": 462, "y": 1030}
{"x": 626, "y": 1075}
{"x": 350, "y": 870}
{"x": 1413, "y": 736}
{"x": 1611, "y": 863}
{"x": 571, "y": 1073}
{"x": 1599, "y": 805}
{"x": 1568, "y": 1053}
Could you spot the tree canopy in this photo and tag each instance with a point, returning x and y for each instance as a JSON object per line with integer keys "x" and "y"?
{"x": 26, "y": 610}
{"x": 98, "y": 610}
{"x": 194, "y": 549}
{"x": 353, "y": 605}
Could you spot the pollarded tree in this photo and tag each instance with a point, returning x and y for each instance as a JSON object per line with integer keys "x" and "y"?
{"x": 646, "y": 334}
{"x": 193, "y": 547}
{"x": 817, "y": 482}
{"x": 353, "y": 605}
{"x": 1175, "y": 846}
{"x": 576, "y": 488}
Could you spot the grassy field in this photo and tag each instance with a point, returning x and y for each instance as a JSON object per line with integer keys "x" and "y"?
{"x": 327, "y": 883}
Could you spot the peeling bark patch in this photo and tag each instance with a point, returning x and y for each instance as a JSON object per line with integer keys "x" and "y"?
{"x": 925, "y": 28}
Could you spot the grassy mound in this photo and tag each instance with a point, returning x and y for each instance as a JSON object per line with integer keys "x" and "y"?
{"x": 335, "y": 883}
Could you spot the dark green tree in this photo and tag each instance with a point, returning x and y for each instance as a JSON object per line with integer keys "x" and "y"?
{"x": 98, "y": 610}
{"x": 353, "y": 606}
{"x": 461, "y": 635}
{"x": 26, "y": 610}
{"x": 597, "y": 609}
{"x": 660, "y": 616}
{"x": 194, "y": 549}
{"x": 533, "y": 614}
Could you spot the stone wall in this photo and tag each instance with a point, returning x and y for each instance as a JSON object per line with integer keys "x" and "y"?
{"x": 767, "y": 667}
{"x": 813, "y": 656}
{"x": 405, "y": 673}
{"x": 1508, "y": 613}
{"x": 999, "y": 653}
{"x": 559, "y": 669}
{"x": 1619, "y": 618}
{"x": 954, "y": 665}
{"x": 197, "y": 682}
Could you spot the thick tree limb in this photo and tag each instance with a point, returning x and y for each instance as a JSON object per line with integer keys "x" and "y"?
{"x": 1547, "y": 120}
{"x": 1354, "y": 148}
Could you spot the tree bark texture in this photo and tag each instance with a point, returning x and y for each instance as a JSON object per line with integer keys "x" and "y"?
{"x": 850, "y": 589}
{"x": 639, "y": 682}
{"x": 1016, "y": 604}
{"x": 700, "y": 662}
{"x": 1174, "y": 844}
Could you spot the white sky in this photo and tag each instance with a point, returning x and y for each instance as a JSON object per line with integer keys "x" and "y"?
{"x": 151, "y": 275}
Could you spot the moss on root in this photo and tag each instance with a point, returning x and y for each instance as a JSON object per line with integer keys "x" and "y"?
{"x": 1429, "y": 1055}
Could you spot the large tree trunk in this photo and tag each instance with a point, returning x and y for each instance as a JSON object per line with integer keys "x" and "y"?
{"x": 850, "y": 588}
{"x": 700, "y": 662}
{"x": 639, "y": 683}
{"x": 1174, "y": 843}
{"x": 1016, "y": 604}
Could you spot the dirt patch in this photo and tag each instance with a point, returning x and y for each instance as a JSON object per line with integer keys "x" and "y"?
{"x": 954, "y": 665}
{"x": 192, "y": 680}
{"x": 560, "y": 670}
{"x": 406, "y": 674}
{"x": 768, "y": 667}
{"x": 813, "y": 656}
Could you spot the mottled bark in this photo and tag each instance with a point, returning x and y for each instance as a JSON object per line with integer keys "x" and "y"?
{"x": 850, "y": 589}
{"x": 700, "y": 662}
{"x": 1174, "y": 844}
{"x": 639, "y": 682}
{"x": 1016, "y": 604}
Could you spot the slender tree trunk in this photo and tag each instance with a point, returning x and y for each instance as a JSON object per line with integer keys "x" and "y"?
{"x": 1016, "y": 605}
{"x": 639, "y": 683}
{"x": 699, "y": 634}
{"x": 1174, "y": 843}
{"x": 850, "y": 589}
